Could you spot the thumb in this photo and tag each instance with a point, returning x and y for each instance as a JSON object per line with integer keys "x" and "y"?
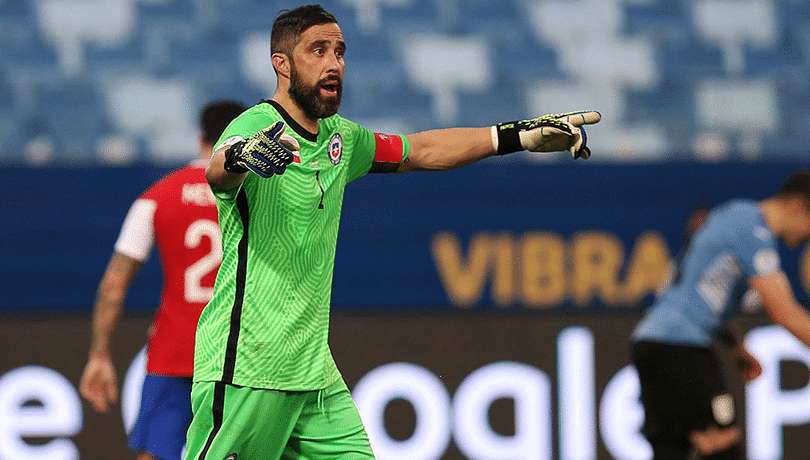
{"x": 275, "y": 130}
{"x": 289, "y": 142}
{"x": 579, "y": 147}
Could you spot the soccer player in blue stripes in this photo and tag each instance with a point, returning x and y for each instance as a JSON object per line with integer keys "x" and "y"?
{"x": 687, "y": 404}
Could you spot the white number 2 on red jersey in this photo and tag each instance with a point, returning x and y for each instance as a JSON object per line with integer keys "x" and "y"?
{"x": 193, "y": 290}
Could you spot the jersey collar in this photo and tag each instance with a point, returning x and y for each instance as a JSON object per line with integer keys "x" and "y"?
{"x": 291, "y": 122}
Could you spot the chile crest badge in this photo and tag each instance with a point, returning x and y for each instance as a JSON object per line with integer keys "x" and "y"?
{"x": 335, "y": 148}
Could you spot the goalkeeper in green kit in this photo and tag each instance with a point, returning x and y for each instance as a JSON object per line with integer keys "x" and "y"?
{"x": 265, "y": 383}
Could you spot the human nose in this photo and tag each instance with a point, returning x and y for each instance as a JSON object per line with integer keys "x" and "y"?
{"x": 334, "y": 62}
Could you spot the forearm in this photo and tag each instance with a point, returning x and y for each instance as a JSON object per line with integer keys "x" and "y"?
{"x": 794, "y": 318}
{"x": 780, "y": 303}
{"x": 106, "y": 313}
{"x": 218, "y": 177}
{"x": 444, "y": 149}
{"x": 109, "y": 301}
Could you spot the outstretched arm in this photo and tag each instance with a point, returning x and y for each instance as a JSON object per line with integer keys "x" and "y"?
{"x": 443, "y": 149}
{"x": 780, "y": 303}
{"x": 98, "y": 383}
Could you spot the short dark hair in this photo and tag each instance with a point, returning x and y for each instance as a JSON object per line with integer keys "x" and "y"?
{"x": 216, "y": 116}
{"x": 290, "y": 24}
{"x": 798, "y": 184}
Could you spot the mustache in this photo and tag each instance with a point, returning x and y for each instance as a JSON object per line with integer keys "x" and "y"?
{"x": 331, "y": 79}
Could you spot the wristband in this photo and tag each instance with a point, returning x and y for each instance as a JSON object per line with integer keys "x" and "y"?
{"x": 230, "y": 164}
{"x": 506, "y": 138}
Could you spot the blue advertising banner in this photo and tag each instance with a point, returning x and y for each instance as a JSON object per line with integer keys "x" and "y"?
{"x": 491, "y": 236}
{"x": 541, "y": 237}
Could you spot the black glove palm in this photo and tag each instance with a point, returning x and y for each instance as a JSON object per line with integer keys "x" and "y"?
{"x": 266, "y": 153}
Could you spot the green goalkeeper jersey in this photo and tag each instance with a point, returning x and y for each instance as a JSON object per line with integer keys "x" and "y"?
{"x": 267, "y": 324}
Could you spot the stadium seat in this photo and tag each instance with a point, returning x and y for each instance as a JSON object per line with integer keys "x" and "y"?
{"x": 441, "y": 65}
{"x": 666, "y": 22}
{"x": 17, "y": 24}
{"x": 518, "y": 57}
{"x": 688, "y": 60}
{"x": 69, "y": 25}
{"x": 9, "y": 129}
{"x": 71, "y": 115}
{"x": 783, "y": 62}
{"x": 415, "y": 64}
{"x": 372, "y": 17}
{"x": 255, "y": 65}
{"x": 745, "y": 110}
{"x": 630, "y": 139}
{"x": 670, "y": 104}
{"x": 733, "y": 25}
{"x": 595, "y": 54}
{"x": 160, "y": 111}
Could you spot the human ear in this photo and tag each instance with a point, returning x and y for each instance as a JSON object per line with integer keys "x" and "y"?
{"x": 281, "y": 63}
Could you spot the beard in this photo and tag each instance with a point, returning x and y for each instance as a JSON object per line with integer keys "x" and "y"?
{"x": 309, "y": 97}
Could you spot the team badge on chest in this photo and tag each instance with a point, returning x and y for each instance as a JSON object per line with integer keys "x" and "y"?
{"x": 335, "y": 148}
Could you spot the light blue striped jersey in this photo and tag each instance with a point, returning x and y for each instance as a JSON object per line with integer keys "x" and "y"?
{"x": 734, "y": 244}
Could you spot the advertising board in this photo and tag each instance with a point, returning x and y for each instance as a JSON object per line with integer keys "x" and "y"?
{"x": 432, "y": 386}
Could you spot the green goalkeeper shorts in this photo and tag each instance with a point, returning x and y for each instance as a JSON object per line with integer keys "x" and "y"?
{"x": 239, "y": 423}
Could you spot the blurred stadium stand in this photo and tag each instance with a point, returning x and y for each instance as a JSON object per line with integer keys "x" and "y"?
{"x": 121, "y": 81}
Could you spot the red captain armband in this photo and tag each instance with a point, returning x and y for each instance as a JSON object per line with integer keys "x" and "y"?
{"x": 389, "y": 149}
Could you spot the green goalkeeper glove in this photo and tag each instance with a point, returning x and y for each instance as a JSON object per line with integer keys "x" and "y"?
{"x": 266, "y": 153}
{"x": 549, "y": 133}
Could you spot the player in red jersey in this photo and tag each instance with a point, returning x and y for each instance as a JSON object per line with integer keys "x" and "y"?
{"x": 179, "y": 214}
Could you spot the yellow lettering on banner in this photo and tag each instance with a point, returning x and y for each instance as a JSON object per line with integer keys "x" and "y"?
{"x": 463, "y": 278}
{"x": 538, "y": 269}
{"x": 502, "y": 260}
{"x": 542, "y": 267}
{"x": 596, "y": 258}
{"x": 647, "y": 268}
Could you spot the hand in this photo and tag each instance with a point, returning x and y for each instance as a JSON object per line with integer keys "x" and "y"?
{"x": 98, "y": 384}
{"x": 549, "y": 133}
{"x": 265, "y": 153}
{"x": 749, "y": 367}
{"x": 579, "y": 149}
